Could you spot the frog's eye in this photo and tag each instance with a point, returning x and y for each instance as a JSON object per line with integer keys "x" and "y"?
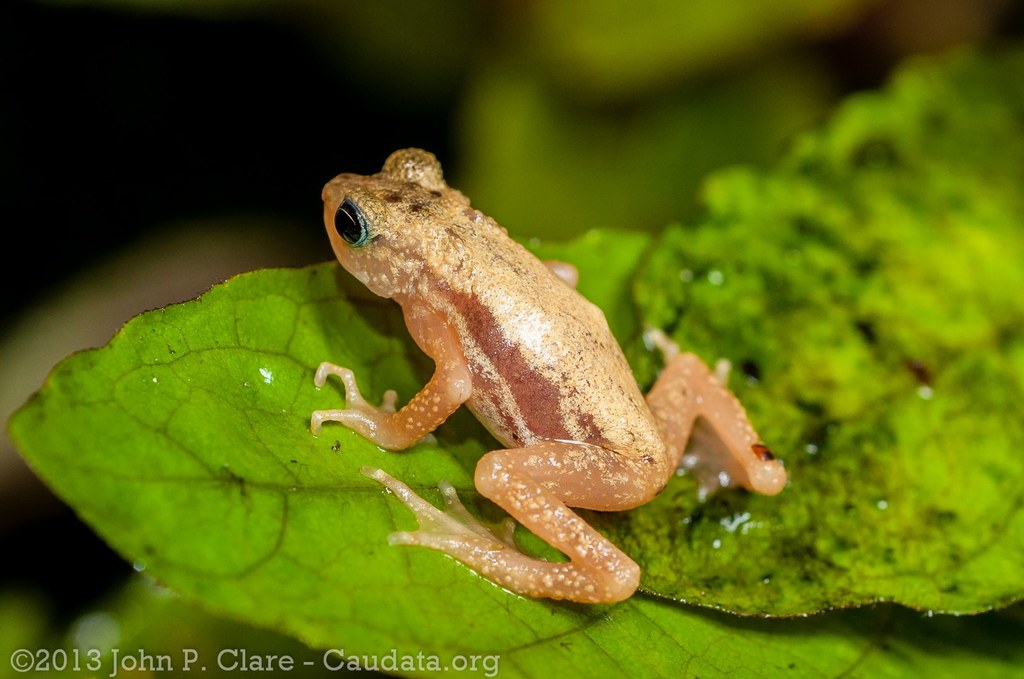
{"x": 350, "y": 224}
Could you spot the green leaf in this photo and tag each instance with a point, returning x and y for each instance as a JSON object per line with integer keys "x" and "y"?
{"x": 184, "y": 442}
{"x": 644, "y": 637}
{"x": 868, "y": 293}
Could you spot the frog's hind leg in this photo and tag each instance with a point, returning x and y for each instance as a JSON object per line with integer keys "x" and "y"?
{"x": 533, "y": 484}
{"x": 706, "y": 428}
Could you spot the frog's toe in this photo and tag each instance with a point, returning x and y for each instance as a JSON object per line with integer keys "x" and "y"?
{"x": 448, "y": 529}
{"x": 389, "y": 402}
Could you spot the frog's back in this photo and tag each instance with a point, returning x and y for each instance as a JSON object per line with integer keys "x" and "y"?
{"x": 544, "y": 362}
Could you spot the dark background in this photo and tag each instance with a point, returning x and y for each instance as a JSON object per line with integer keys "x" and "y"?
{"x": 116, "y": 123}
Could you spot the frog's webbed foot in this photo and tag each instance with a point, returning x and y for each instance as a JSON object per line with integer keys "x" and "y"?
{"x": 517, "y": 480}
{"x": 705, "y": 426}
{"x": 446, "y": 530}
{"x": 360, "y": 415}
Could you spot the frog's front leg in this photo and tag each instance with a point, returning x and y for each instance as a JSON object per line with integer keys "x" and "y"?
{"x": 706, "y": 428}
{"x": 536, "y": 485}
{"x": 447, "y": 389}
{"x": 358, "y": 407}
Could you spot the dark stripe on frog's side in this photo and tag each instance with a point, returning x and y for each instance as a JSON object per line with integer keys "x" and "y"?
{"x": 535, "y": 397}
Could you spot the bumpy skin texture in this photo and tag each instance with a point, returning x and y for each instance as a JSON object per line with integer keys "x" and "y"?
{"x": 536, "y": 363}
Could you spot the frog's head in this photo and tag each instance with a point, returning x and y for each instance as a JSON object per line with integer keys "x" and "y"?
{"x": 384, "y": 228}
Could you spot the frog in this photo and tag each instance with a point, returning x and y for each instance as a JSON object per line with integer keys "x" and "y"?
{"x": 536, "y": 363}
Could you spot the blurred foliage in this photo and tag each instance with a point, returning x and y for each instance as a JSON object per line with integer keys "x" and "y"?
{"x": 614, "y": 50}
{"x": 608, "y": 117}
{"x": 544, "y": 165}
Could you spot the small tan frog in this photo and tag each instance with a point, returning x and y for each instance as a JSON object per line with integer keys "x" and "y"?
{"x": 536, "y": 363}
